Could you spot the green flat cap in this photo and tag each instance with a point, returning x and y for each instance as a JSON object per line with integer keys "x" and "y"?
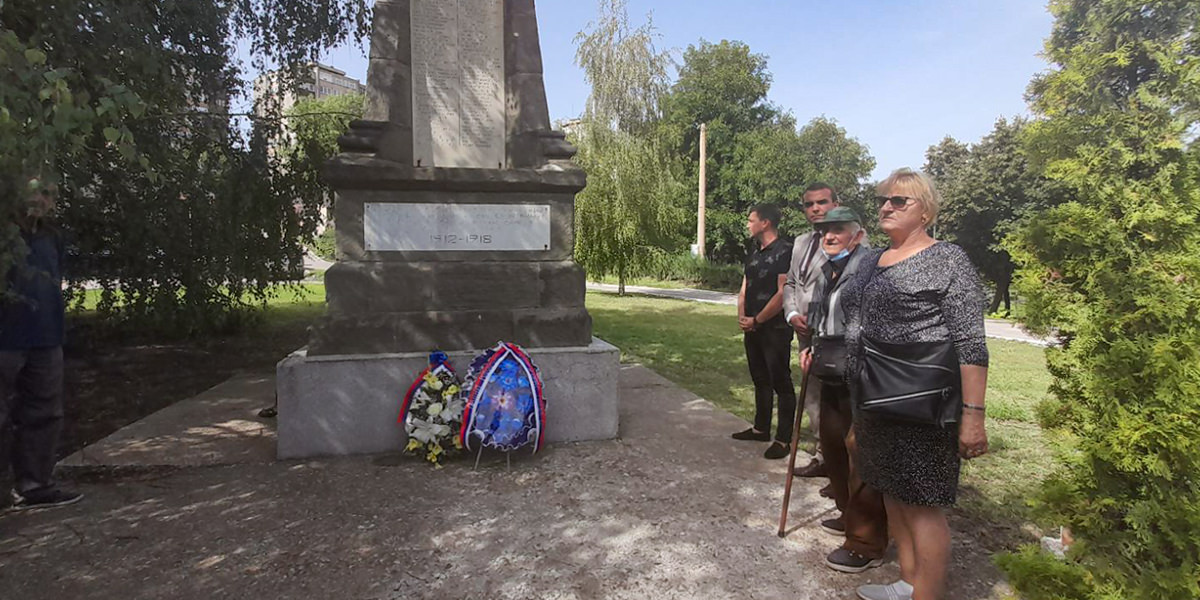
{"x": 841, "y": 214}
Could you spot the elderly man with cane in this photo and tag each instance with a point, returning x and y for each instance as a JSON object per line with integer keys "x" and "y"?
{"x": 863, "y": 521}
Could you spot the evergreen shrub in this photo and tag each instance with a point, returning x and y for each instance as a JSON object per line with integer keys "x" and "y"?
{"x": 1117, "y": 273}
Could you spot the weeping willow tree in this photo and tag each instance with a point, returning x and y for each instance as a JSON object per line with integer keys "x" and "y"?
{"x": 175, "y": 209}
{"x": 627, "y": 215}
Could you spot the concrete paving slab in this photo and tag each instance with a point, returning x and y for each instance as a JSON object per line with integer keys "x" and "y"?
{"x": 220, "y": 426}
{"x": 672, "y": 509}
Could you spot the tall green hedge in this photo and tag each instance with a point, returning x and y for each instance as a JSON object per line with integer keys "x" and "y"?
{"x": 1117, "y": 273}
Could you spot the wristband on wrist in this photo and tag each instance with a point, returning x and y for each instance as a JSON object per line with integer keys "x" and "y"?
{"x": 978, "y": 407}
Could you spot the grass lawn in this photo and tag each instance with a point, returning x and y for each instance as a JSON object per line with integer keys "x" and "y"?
{"x": 699, "y": 347}
{"x": 285, "y": 297}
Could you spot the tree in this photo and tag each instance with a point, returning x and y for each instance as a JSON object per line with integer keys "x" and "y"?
{"x": 1117, "y": 271}
{"x": 987, "y": 191}
{"x": 183, "y": 222}
{"x": 944, "y": 158}
{"x": 832, "y": 156}
{"x": 723, "y": 85}
{"x": 624, "y": 217}
{"x": 45, "y": 115}
{"x": 944, "y": 162}
{"x": 775, "y": 162}
{"x": 313, "y": 126}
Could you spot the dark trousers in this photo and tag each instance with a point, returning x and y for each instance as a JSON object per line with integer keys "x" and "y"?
{"x": 862, "y": 507}
{"x": 31, "y": 407}
{"x": 769, "y": 354}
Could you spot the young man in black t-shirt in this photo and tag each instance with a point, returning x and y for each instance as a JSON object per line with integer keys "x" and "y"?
{"x": 767, "y": 336}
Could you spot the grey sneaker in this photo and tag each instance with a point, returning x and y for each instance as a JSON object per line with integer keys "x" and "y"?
{"x": 897, "y": 590}
{"x": 48, "y": 497}
{"x": 849, "y": 561}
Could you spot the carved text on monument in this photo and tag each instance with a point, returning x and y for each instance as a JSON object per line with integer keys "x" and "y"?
{"x": 391, "y": 226}
{"x": 458, "y": 83}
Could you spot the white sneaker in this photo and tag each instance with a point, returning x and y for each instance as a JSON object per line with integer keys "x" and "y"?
{"x": 897, "y": 590}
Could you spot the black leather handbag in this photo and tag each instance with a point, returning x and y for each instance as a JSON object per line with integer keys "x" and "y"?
{"x": 918, "y": 382}
{"x": 829, "y": 353}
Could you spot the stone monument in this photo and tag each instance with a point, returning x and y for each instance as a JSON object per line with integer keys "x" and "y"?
{"x": 455, "y": 230}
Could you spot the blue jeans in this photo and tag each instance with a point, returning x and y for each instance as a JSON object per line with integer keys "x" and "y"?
{"x": 31, "y": 407}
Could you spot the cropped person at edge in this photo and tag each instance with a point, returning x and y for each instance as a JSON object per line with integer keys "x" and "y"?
{"x": 31, "y": 355}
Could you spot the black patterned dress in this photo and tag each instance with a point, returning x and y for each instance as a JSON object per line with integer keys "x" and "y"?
{"x": 932, "y": 296}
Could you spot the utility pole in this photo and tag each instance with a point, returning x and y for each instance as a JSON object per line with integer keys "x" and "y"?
{"x": 703, "y": 190}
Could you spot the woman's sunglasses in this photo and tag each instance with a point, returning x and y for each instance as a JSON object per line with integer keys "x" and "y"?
{"x": 897, "y": 202}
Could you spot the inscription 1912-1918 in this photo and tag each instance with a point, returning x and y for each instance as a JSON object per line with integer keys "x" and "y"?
{"x": 458, "y": 83}
{"x": 392, "y": 227}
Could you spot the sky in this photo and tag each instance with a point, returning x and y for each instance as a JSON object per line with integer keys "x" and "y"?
{"x": 898, "y": 76}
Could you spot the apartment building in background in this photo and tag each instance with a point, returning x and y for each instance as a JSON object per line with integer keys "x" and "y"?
{"x": 316, "y": 81}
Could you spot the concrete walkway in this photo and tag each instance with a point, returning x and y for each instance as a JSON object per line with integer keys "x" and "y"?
{"x": 220, "y": 426}
{"x": 996, "y": 328}
{"x": 672, "y": 509}
{"x": 312, "y": 262}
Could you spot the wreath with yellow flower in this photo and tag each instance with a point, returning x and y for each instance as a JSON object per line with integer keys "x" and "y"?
{"x": 432, "y": 411}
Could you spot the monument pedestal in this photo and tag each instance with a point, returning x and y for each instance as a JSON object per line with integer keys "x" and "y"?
{"x": 454, "y": 209}
{"x": 349, "y": 404}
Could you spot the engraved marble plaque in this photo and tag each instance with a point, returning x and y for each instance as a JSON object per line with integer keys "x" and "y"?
{"x": 458, "y": 83}
{"x": 390, "y": 226}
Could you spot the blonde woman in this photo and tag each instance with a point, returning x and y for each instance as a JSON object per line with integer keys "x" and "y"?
{"x": 922, "y": 293}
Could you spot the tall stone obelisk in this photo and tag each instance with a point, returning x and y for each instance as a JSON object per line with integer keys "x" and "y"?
{"x": 455, "y": 229}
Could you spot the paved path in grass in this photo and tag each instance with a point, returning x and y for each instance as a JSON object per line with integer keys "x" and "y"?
{"x": 312, "y": 262}
{"x": 673, "y": 509}
{"x": 996, "y": 328}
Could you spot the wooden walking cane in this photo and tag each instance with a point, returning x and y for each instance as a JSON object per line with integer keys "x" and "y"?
{"x": 787, "y": 488}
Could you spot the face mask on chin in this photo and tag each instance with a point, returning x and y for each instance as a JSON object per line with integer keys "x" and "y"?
{"x": 836, "y": 257}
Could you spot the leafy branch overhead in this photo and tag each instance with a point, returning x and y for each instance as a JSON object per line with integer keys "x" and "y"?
{"x": 178, "y": 212}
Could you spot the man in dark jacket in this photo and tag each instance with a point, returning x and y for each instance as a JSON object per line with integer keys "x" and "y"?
{"x": 31, "y": 356}
{"x": 863, "y": 521}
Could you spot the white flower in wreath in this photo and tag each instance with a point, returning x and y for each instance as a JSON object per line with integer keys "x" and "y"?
{"x": 423, "y": 431}
{"x": 453, "y": 409}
